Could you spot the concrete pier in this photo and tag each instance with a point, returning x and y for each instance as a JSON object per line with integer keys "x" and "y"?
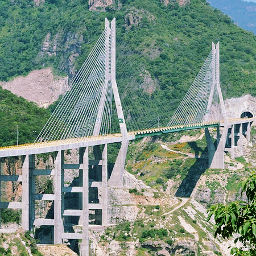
{"x": 84, "y": 247}
{"x": 58, "y": 204}
{"x": 25, "y": 219}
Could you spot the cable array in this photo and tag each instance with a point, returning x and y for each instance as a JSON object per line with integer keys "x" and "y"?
{"x": 86, "y": 109}
{"x": 193, "y": 107}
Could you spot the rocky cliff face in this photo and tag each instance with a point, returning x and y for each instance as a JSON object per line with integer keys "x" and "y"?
{"x": 95, "y": 5}
{"x": 38, "y": 2}
{"x": 180, "y": 2}
{"x": 39, "y": 86}
{"x": 67, "y": 45}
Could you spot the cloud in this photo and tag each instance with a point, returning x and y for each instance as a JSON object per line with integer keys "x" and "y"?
{"x": 252, "y": 1}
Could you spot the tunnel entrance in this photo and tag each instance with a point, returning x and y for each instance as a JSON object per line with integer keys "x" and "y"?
{"x": 246, "y": 114}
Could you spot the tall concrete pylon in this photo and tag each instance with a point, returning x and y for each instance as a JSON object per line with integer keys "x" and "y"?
{"x": 216, "y": 153}
{"x": 116, "y": 179}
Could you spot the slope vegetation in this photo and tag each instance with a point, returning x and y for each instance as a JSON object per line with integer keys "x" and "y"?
{"x": 160, "y": 48}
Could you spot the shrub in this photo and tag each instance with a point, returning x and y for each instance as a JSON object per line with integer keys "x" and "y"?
{"x": 159, "y": 181}
{"x": 10, "y": 216}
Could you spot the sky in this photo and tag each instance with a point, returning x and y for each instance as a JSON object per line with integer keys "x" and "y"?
{"x": 242, "y": 12}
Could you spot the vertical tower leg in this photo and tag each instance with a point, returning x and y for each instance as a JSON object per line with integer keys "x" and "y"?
{"x": 210, "y": 146}
{"x": 218, "y": 135}
{"x": 105, "y": 186}
{"x": 232, "y": 141}
{"x": 248, "y": 133}
{"x": 25, "y": 194}
{"x": 218, "y": 159}
{"x": 58, "y": 208}
{"x": 84, "y": 249}
{"x": 31, "y": 191}
{"x": 1, "y": 166}
{"x": 116, "y": 179}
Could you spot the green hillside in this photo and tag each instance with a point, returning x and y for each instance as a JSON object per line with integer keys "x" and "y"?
{"x": 160, "y": 49}
{"x": 16, "y": 112}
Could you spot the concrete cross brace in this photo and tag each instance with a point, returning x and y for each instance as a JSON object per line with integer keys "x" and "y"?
{"x": 25, "y": 194}
{"x": 58, "y": 204}
{"x": 84, "y": 249}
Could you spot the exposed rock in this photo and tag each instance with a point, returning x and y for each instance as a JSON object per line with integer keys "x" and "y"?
{"x": 185, "y": 247}
{"x": 130, "y": 181}
{"x": 149, "y": 84}
{"x": 183, "y": 2}
{"x": 153, "y": 245}
{"x": 64, "y": 44}
{"x": 163, "y": 252}
{"x": 236, "y": 106}
{"x": 165, "y": 2}
{"x": 180, "y": 2}
{"x": 39, "y": 86}
{"x": 95, "y": 5}
{"x": 121, "y": 206}
{"x": 152, "y": 51}
{"x": 53, "y": 250}
{"x": 114, "y": 248}
{"x": 134, "y": 17}
{"x": 49, "y": 47}
{"x": 38, "y": 2}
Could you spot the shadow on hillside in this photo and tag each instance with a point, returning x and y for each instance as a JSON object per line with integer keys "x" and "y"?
{"x": 194, "y": 173}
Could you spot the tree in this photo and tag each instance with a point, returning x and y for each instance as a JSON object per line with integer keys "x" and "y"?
{"x": 238, "y": 218}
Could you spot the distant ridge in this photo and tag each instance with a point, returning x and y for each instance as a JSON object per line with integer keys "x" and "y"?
{"x": 243, "y": 12}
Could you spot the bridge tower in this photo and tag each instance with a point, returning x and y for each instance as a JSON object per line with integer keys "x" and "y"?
{"x": 216, "y": 152}
{"x": 229, "y": 129}
{"x": 93, "y": 173}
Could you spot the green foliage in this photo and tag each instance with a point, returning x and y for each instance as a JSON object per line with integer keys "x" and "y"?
{"x": 154, "y": 233}
{"x": 21, "y": 248}
{"x": 135, "y": 191}
{"x": 234, "y": 182}
{"x": 238, "y": 217}
{"x": 241, "y": 159}
{"x": 10, "y": 216}
{"x": 48, "y": 189}
{"x": 5, "y": 252}
{"x": 31, "y": 242}
{"x": 17, "y": 112}
{"x": 170, "y": 43}
{"x": 153, "y": 210}
{"x": 122, "y": 231}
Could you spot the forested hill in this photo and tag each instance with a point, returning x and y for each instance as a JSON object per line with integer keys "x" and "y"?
{"x": 160, "y": 48}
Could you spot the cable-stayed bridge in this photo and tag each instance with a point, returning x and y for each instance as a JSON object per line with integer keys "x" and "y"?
{"x": 91, "y": 114}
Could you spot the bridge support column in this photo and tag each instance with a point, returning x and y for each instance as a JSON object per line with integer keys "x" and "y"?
{"x": 105, "y": 186}
{"x": 240, "y": 131}
{"x": 1, "y": 167}
{"x": 210, "y": 146}
{"x": 25, "y": 219}
{"x": 58, "y": 202}
{"x": 216, "y": 155}
{"x": 232, "y": 141}
{"x": 218, "y": 135}
{"x": 248, "y": 133}
{"x": 84, "y": 247}
{"x": 116, "y": 179}
{"x": 218, "y": 159}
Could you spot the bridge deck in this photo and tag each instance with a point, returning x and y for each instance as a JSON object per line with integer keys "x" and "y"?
{"x": 51, "y": 146}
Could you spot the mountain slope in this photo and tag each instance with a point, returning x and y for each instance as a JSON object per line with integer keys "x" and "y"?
{"x": 17, "y": 113}
{"x": 160, "y": 48}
